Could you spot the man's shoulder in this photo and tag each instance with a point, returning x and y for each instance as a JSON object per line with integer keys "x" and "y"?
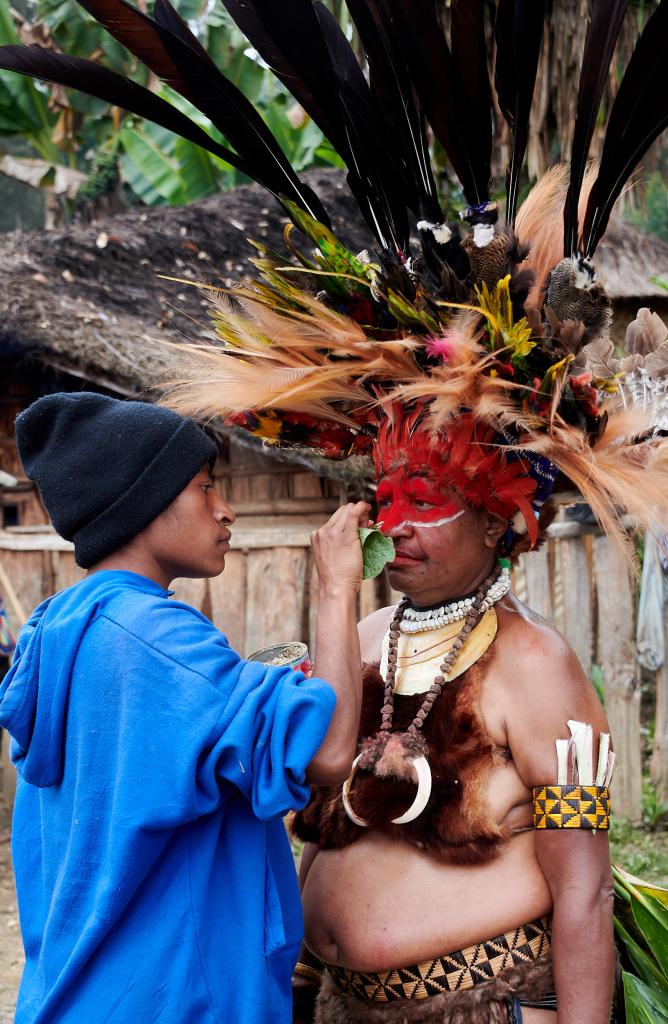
{"x": 538, "y": 668}
{"x": 528, "y": 637}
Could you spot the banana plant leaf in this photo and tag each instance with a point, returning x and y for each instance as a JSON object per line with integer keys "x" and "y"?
{"x": 643, "y": 1004}
{"x": 641, "y": 925}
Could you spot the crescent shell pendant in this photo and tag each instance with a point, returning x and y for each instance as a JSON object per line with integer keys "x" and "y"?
{"x": 423, "y": 772}
{"x": 345, "y": 796}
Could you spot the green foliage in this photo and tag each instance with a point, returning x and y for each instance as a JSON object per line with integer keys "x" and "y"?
{"x": 102, "y": 179}
{"x": 653, "y": 214}
{"x": 154, "y": 165}
{"x": 597, "y": 680}
{"x": 24, "y": 108}
{"x": 641, "y": 923}
{"x": 643, "y": 1004}
{"x": 641, "y": 851}
{"x": 654, "y": 812}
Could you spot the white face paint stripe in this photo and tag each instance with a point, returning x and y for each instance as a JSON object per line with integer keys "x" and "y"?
{"x": 439, "y": 522}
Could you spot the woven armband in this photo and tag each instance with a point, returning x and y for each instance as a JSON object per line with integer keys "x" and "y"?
{"x": 586, "y": 807}
{"x": 581, "y": 797}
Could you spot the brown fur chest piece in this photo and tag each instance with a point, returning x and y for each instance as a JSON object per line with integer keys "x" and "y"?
{"x": 455, "y": 825}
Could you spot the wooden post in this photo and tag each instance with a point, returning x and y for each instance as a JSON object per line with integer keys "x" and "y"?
{"x": 11, "y": 596}
{"x": 659, "y": 763}
{"x": 577, "y": 610}
{"x": 536, "y": 568}
{"x": 228, "y": 600}
{"x": 191, "y": 591}
{"x": 275, "y": 596}
{"x": 616, "y": 656}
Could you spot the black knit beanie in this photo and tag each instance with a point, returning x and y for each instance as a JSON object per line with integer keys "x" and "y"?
{"x": 106, "y": 468}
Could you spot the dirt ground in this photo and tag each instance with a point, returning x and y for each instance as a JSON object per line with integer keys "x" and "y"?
{"x": 11, "y": 952}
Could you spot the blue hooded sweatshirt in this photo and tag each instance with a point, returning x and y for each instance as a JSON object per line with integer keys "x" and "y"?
{"x": 154, "y": 875}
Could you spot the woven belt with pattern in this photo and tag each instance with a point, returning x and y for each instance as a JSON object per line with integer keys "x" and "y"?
{"x": 464, "y": 969}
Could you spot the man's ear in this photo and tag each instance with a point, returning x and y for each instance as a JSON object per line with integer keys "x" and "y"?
{"x": 495, "y": 527}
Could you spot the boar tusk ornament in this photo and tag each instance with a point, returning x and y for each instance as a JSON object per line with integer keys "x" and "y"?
{"x": 423, "y": 773}
{"x": 397, "y": 755}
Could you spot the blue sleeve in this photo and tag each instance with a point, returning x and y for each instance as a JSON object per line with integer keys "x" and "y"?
{"x": 241, "y": 724}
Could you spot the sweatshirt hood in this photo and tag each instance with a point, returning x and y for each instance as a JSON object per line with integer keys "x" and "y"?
{"x": 34, "y": 693}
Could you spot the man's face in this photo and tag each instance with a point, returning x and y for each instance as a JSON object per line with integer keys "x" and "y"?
{"x": 191, "y": 537}
{"x": 442, "y": 547}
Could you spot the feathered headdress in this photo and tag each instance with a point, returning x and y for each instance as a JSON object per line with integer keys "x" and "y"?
{"x": 480, "y": 350}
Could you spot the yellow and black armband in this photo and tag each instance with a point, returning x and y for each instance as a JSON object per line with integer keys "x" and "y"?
{"x": 585, "y": 807}
{"x": 580, "y": 799}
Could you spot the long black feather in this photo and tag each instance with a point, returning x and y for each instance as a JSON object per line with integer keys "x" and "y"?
{"x": 238, "y": 120}
{"x": 139, "y": 34}
{"x": 602, "y": 32}
{"x": 306, "y": 47}
{"x": 378, "y": 166}
{"x": 167, "y": 16}
{"x": 394, "y": 95}
{"x": 422, "y": 46}
{"x": 469, "y": 59}
{"x": 639, "y": 114}
{"x": 518, "y": 33}
{"x": 289, "y": 38}
{"x": 100, "y": 82}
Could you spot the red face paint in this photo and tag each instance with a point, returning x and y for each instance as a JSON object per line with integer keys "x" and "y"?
{"x": 419, "y": 472}
{"x": 407, "y": 500}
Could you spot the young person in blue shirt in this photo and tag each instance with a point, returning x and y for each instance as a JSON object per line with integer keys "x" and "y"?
{"x": 154, "y": 876}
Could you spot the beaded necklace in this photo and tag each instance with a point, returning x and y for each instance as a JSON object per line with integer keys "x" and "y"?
{"x": 476, "y": 609}
{"x": 403, "y": 755}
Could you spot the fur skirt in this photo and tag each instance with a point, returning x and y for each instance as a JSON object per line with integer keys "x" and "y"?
{"x": 483, "y": 1004}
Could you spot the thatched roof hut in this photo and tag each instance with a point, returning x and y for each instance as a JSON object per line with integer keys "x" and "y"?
{"x": 89, "y": 301}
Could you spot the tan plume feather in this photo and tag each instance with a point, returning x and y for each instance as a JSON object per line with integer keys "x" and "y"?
{"x": 540, "y": 223}
{"x": 614, "y": 476}
{"x": 311, "y": 360}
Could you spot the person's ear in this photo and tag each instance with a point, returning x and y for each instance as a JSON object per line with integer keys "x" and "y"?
{"x": 495, "y": 527}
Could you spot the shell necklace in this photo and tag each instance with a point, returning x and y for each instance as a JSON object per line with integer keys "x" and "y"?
{"x": 404, "y": 755}
{"x": 418, "y": 620}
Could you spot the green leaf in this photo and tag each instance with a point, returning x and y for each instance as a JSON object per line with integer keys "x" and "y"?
{"x": 326, "y": 154}
{"x": 642, "y": 961}
{"x": 643, "y": 1005}
{"x": 147, "y": 169}
{"x": 33, "y": 103}
{"x": 196, "y": 170}
{"x": 377, "y": 551}
{"x": 633, "y": 883}
{"x": 597, "y": 680}
{"x": 652, "y": 920}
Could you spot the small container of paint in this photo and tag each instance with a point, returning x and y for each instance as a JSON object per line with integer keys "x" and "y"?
{"x": 291, "y": 655}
